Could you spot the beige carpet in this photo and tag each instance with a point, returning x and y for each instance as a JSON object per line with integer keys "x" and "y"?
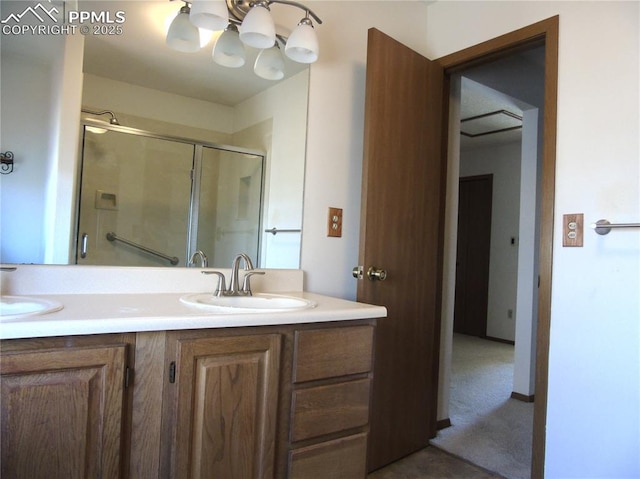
{"x": 432, "y": 463}
{"x": 488, "y": 427}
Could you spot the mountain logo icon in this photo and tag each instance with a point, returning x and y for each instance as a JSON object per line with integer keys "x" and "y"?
{"x": 38, "y": 11}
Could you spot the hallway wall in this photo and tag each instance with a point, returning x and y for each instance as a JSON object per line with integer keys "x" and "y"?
{"x": 503, "y": 162}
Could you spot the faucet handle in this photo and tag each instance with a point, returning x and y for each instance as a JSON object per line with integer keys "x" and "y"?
{"x": 246, "y": 285}
{"x": 221, "y": 288}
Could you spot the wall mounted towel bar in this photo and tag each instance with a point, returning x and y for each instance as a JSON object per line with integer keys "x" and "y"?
{"x": 603, "y": 227}
{"x": 114, "y": 237}
{"x": 274, "y": 231}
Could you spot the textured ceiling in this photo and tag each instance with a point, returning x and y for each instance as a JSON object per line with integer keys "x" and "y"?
{"x": 477, "y": 100}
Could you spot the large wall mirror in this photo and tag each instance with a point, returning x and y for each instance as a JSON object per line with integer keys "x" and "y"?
{"x": 128, "y": 69}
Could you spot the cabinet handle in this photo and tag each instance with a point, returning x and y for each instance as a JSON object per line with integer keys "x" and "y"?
{"x": 172, "y": 372}
{"x": 83, "y": 246}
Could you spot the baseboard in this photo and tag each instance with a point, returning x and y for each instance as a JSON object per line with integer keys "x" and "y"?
{"x": 522, "y": 397}
{"x": 443, "y": 423}
{"x": 500, "y": 340}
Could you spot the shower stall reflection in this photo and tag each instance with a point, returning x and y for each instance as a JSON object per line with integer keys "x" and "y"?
{"x": 167, "y": 197}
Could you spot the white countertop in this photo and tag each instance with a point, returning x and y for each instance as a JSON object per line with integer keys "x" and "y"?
{"x": 117, "y": 313}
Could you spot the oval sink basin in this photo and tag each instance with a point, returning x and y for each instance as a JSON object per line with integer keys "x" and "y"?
{"x": 13, "y": 307}
{"x": 258, "y": 303}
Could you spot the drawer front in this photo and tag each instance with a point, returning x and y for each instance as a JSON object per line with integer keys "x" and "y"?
{"x": 344, "y": 458}
{"x": 326, "y": 353}
{"x": 328, "y": 409}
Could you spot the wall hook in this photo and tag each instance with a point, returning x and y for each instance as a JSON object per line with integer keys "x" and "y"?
{"x": 6, "y": 162}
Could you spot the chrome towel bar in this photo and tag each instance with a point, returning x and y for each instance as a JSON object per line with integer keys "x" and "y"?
{"x": 603, "y": 227}
{"x": 274, "y": 231}
{"x": 114, "y": 237}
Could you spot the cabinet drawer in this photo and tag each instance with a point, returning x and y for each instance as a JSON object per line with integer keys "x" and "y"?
{"x": 344, "y": 458}
{"x": 332, "y": 408}
{"x": 326, "y": 353}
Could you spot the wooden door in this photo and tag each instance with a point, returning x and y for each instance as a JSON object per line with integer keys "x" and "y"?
{"x": 62, "y": 412}
{"x": 226, "y": 414}
{"x": 472, "y": 261}
{"x": 402, "y": 233}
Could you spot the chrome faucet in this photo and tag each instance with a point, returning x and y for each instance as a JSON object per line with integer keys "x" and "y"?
{"x": 233, "y": 290}
{"x": 203, "y": 259}
{"x": 245, "y": 290}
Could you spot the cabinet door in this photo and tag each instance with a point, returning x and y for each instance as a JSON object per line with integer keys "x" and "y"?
{"x": 62, "y": 412}
{"x": 226, "y": 406}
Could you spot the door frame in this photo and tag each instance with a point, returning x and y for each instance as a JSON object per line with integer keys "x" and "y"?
{"x": 544, "y": 33}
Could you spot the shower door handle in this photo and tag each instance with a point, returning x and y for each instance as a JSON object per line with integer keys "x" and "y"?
{"x": 83, "y": 245}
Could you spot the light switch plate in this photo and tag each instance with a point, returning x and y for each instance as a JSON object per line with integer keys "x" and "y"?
{"x": 572, "y": 229}
{"x": 335, "y": 222}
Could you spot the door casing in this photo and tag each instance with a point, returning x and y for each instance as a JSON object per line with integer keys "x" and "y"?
{"x": 544, "y": 33}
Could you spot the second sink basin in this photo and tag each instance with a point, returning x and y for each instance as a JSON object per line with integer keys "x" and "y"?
{"x": 15, "y": 307}
{"x": 258, "y": 303}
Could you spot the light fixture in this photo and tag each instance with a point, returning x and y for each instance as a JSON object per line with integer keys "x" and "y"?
{"x": 270, "y": 64}
{"x": 258, "y": 29}
{"x": 209, "y": 14}
{"x": 302, "y": 45}
{"x": 183, "y": 35}
{"x": 228, "y": 50}
{"x": 245, "y": 22}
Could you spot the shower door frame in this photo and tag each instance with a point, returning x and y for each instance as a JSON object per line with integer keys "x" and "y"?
{"x": 194, "y": 202}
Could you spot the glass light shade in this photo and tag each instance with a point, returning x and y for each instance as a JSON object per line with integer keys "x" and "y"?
{"x": 270, "y": 64}
{"x": 228, "y": 50}
{"x": 302, "y": 45}
{"x": 183, "y": 36}
{"x": 257, "y": 29}
{"x": 210, "y": 15}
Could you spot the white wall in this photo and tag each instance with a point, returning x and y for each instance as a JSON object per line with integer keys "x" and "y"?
{"x": 503, "y": 162}
{"x": 23, "y": 191}
{"x": 593, "y": 423}
{"x": 124, "y": 98}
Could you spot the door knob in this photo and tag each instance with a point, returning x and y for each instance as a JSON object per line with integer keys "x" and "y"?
{"x": 376, "y": 274}
{"x": 358, "y": 272}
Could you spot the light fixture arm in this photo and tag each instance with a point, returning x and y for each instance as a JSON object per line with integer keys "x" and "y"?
{"x": 300, "y": 6}
{"x": 239, "y": 8}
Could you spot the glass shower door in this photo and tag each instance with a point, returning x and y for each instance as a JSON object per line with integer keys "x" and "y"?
{"x": 135, "y": 200}
{"x": 228, "y": 208}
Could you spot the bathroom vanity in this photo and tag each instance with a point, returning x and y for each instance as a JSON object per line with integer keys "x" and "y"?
{"x": 141, "y": 385}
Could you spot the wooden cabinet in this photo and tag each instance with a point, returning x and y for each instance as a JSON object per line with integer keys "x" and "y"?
{"x": 63, "y": 408}
{"x": 226, "y": 399}
{"x": 330, "y": 402}
{"x": 256, "y": 403}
